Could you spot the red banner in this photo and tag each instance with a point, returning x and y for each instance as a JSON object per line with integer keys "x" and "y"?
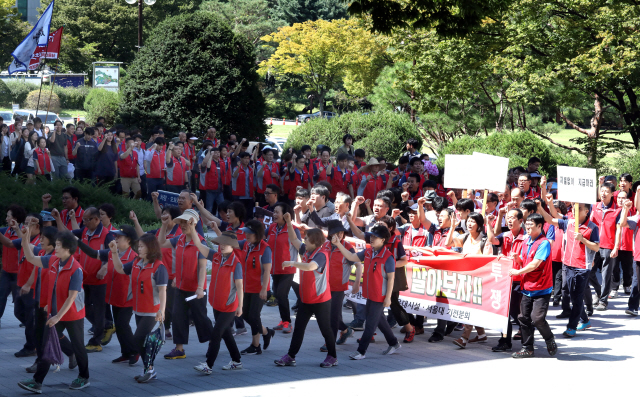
{"x": 50, "y": 51}
{"x": 469, "y": 289}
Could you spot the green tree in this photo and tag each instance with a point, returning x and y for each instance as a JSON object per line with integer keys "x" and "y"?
{"x": 102, "y": 103}
{"x": 193, "y": 73}
{"x": 297, "y": 11}
{"x": 12, "y": 31}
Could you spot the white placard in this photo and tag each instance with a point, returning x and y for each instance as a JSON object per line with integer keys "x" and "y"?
{"x": 492, "y": 173}
{"x": 458, "y": 171}
{"x": 577, "y": 185}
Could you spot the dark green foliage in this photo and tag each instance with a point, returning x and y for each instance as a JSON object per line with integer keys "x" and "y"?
{"x": 5, "y": 95}
{"x": 297, "y": 11}
{"x": 72, "y": 97}
{"x": 380, "y": 134}
{"x": 19, "y": 91}
{"x": 101, "y": 102}
{"x": 194, "y": 72}
{"x": 30, "y": 197}
{"x": 517, "y": 146}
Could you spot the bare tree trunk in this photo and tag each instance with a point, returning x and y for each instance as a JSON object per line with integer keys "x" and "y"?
{"x": 413, "y": 96}
{"x": 524, "y": 117}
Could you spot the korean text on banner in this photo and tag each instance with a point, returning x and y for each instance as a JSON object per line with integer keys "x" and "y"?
{"x": 167, "y": 198}
{"x": 492, "y": 171}
{"x": 457, "y": 173}
{"x": 468, "y": 289}
{"x": 577, "y": 185}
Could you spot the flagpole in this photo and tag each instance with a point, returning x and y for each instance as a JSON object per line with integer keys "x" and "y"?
{"x": 46, "y": 49}
{"x": 53, "y": 77}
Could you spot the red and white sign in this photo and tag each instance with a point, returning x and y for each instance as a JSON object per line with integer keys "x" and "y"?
{"x": 50, "y": 51}
{"x": 469, "y": 289}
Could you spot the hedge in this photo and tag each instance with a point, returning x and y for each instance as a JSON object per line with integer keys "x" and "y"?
{"x": 40, "y": 100}
{"x": 101, "y": 102}
{"x": 380, "y": 134}
{"x": 518, "y": 147}
{"x": 30, "y": 197}
{"x": 70, "y": 97}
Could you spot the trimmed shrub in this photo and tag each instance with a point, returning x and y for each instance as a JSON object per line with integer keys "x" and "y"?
{"x": 101, "y": 102}
{"x": 19, "y": 91}
{"x": 72, "y": 97}
{"x": 518, "y": 147}
{"x": 40, "y": 100}
{"x": 5, "y": 95}
{"x": 630, "y": 162}
{"x": 380, "y": 134}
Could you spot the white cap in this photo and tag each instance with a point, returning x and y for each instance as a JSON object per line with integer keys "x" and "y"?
{"x": 189, "y": 214}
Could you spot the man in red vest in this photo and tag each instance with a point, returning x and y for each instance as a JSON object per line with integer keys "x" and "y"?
{"x": 177, "y": 167}
{"x": 129, "y": 170}
{"x": 242, "y": 183}
{"x": 154, "y": 164}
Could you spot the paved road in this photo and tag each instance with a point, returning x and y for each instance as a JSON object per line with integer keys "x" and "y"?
{"x": 603, "y": 359}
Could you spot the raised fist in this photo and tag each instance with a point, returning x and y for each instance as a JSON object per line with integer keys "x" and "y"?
{"x": 422, "y": 200}
{"x": 360, "y": 200}
{"x": 46, "y": 198}
{"x": 405, "y": 196}
{"x": 154, "y": 196}
{"x": 287, "y": 217}
{"x": 133, "y": 216}
{"x": 405, "y": 186}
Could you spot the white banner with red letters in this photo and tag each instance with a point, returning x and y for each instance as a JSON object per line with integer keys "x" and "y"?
{"x": 469, "y": 289}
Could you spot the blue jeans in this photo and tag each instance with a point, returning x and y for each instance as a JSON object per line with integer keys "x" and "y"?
{"x": 153, "y": 185}
{"x": 8, "y": 285}
{"x": 213, "y": 197}
{"x": 574, "y": 282}
{"x": 634, "y": 299}
{"x": 361, "y": 313}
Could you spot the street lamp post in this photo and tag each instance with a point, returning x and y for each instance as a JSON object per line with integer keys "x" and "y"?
{"x": 147, "y": 2}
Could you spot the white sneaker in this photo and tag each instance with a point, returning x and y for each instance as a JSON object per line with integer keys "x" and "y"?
{"x": 232, "y": 366}
{"x": 203, "y": 368}
{"x": 613, "y": 294}
{"x": 56, "y": 368}
{"x": 356, "y": 356}
{"x": 392, "y": 349}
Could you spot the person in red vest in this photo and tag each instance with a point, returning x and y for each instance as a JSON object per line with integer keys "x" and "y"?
{"x": 557, "y": 252}
{"x": 177, "y": 167}
{"x": 534, "y": 264}
{"x": 631, "y": 222}
{"x": 377, "y": 288}
{"x": 322, "y": 166}
{"x": 374, "y": 179}
{"x": 267, "y": 174}
{"x": 155, "y": 165}
{"x": 149, "y": 278}
{"x": 212, "y": 179}
{"x": 605, "y": 215}
{"x": 129, "y": 170}
{"x": 64, "y": 303}
{"x": 117, "y": 294}
{"x": 315, "y": 294}
{"x": 71, "y": 215}
{"x": 211, "y": 136}
{"x": 42, "y": 159}
{"x": 622, "y": 252}
{"x": 511, "y": 243}
{"x": 225, "y": 296}
{"x": 242, "y": 183}
{"x": 72, "y": 138}
{"x": 295, "y": 176}
{"x": 341, "y": 179}
{"x": 359, "y": 159}
{"x": 10, "y": 257}
{"x": 524, "y": 184}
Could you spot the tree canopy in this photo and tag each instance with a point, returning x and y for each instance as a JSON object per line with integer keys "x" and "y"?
{"x": 12, "y": 31}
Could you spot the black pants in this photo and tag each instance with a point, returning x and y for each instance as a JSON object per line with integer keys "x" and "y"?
{"x": 153, "y": 185}
{"x": 514, "y": 309}
{"x": 73, "y": 345}
{"x": 144, "y": 326}
{"x": 174, "y": 188}
{"x": 248, "y": 206}
{"x": 634, "y": 298}
{"x": 281, "y": 286}
{"x": 322, "y": 311}
{"x": 557, "y": 281}
{"x": 220, "y": 331}
{"x": 375, "y": 319}
{"x": 533, "y": 313}
{"x": 108, "y": 316}
{"x": 171, "y": 291}
{"x": 336, "y": 312}
{"x": 603, "y": 261}
{"x": 444, "y": 327}
{"x": 6, "y": 164}
{"x": 122, "y": 320}
{"x": 198, "y": 310}
{"x": 251, "y": 308}
{"x": 624, "y": 260}
{"x": 8, "y": 285}
{"x": 94, "y": 301}
{"x": 24, "y": 309}
{"x": 81, "y": 175}
{"x": 575, "y": 281}
{"x": 40, "y": 320}
{"x": 401, "y": 315}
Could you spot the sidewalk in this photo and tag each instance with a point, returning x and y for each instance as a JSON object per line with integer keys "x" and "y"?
{"x": 603, "y": 358}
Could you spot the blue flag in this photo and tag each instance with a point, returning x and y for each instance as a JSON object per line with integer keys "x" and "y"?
{"x": 38, "y": 37}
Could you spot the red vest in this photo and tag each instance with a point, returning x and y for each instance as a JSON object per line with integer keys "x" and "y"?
{"x": 91, "y": 266}
{"x": 298, "y": 180}
{"x": 209, "y": 179}
{"x": 418, "y": 239}
{"x": 223, "y": 295}
{"x": 186, "y": 266}
{"x": 542, "y": 277}
{"x": 626, "y": 239}
{"x": 373, "y": 186}
{"x": 340, "y": 181}
{"x": 238, "y": 232}
{"x": 558, "y": 245}
{"x": 157, "y": 164}
{"x": 64, "y": 215}
{"x": 175, "y": 177}
{"x": 440, "y": 237}
{"x": 574, "y": 251}
{"x": 71, "y": 143}
{"x": 605, "y": 219}
{"x": 320, "y": 175}
{"x": 167, "y": 253}
{"x": 374, "y": 281}
{"x": 44, "y": 162}
{"x": 127, "y": 166}
{"x": 511, "y": 247}
{"x": 25, "y": 268}
{"x": 239, "y": 188}
{"x": 10, "y": 255}
{"x": 279, "y": 243}
{"x": 118, "y": 284}
{"x": 267, "y": 178}
{"x": 76, "y": 311}
{"x": 314, "y": 286}
{"x": 188, "y": 152}
{"x": 339, "y": 268}
{"x": 252, "y": 267}
{"x": 144, "y": 298}
{"x": 227, "y": 171}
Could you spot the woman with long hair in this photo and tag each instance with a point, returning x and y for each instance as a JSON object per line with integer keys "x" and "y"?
{"x": 29, "y": 147}
{"x": 5, "y": 147}
{"x": 105, "y": 170}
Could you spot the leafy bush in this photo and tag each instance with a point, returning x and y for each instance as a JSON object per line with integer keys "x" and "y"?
{"x": 5, "y": 95}
{"x": 517, "y": 146}
{"x": 101, "y": 102}
{"x": 629, "y": 162}
{"x": 40, "y": 100}
{"x": 19, "y": 91}
{"x": 30, "y": 197}
{"x": 380, "y": 134}
{"x": 72, "y": 97}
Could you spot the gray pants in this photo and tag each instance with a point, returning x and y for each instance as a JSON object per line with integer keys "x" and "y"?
{"x": 60, "y": 167}
{"x": 603, "y": 261}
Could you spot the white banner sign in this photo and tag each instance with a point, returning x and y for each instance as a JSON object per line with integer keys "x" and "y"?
{"x": 577, "y": 185}
{"x": 492, "y": 171}
{"x": 458, "y": 171}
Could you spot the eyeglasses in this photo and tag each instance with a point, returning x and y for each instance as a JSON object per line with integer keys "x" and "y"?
{"x": 265, "y": 193}
{"x": 65, "y": 198}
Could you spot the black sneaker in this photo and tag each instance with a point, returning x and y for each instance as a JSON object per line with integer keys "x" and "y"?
{"x": 435, "y": 338}
{"x": 266, "y": 339}
{"x": 552, "y": 348}
{"x": 357, "y": 326}
{"x": 121, "y": 359}
{"x": 251, "y": 350}
{"x": 556, "y": 302}
{"x": 503, "y": 346}
{"x": 523, "y": 353}
{"x": 563, "y": 315}
{"x": 25, "y": 353}
{"x": 133, "y": 359}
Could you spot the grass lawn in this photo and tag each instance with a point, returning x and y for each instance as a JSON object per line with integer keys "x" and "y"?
{"x": 281, "y": 131}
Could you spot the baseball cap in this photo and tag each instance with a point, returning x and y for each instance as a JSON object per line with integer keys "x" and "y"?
{"x": 248, "y": 229}
{"x": 127, "y": 231}
{"x": 430, "y": 196}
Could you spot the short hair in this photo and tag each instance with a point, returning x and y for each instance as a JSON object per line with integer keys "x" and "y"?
{"x": 518, "y": 189}
{"x": 159, "y": 141}
{"x": 320, "y": 191}
{"x": 526, "y": 175}
{"x": 129, "y": 138}
{"x": 325, "y": 149}
{"x": 347, "y": 136}
{"x": 153, "y": 247}
{"x": 609, "y": 186}
{"x": 286, "y": 208}
{"x": 274, "y": 188}
{"x": 345, "y": 197}
{"x": 238, "y": 209}
{"x": 382, "y": 231}
{"x": 479, "y": 220}
{"x": 303, "y": 193}
{"x": 243, "y": 155}
{"x": 465, "y": 204}
{"x": 69, "y": 241}
{"x": 415, "y": 176}
{"x": 100, "y": 118}
{"x": 89, "y": 131}
{"x": 343, "y": 157}
{"x": 70, "y": 125}
{"x": 627, "y": 177}
{"x": 138, "y": 136}
{"x": 109, "y": 209}
{"x": 37, "y": 120}
{"x": 92, "y": 212}
{"x": 57, "y": 121}
{"x": 50, "y": 233}
{"x": 536, "y": 218}
{"x": 534, "y": 159}
{"x": 257, "y": 227}
{"x": 386, "y": 193}
{"x": 179, "y": 143}
{"x": 40, "y": 138}
{"x": 38, "y": 217}
{"x": 18, "y": 213}
{"x": 529, "y": 205}
{"x": 359, "y": 153}
{"x": 414, "y": 160}
{"x": 414, "y": 142}
{"x": 519, "y": 169}
{"x": 325, "y": 184}
{"x": 492, "y": 197}
{"x": 561, "y": 206}
{"x": 385, "y": 200}
{"x": 99, "y": 125}
{"x": 519, "y": 214}
{"x": 172, "y": 210}
{"x": 439, "y": 203}
{"x": 224, "y": 206}
{"x": 304, "y": 148}
{"x": 389, "y": 221}
{"x": 403, "y": 160}
{"x": 316, "y": 237}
